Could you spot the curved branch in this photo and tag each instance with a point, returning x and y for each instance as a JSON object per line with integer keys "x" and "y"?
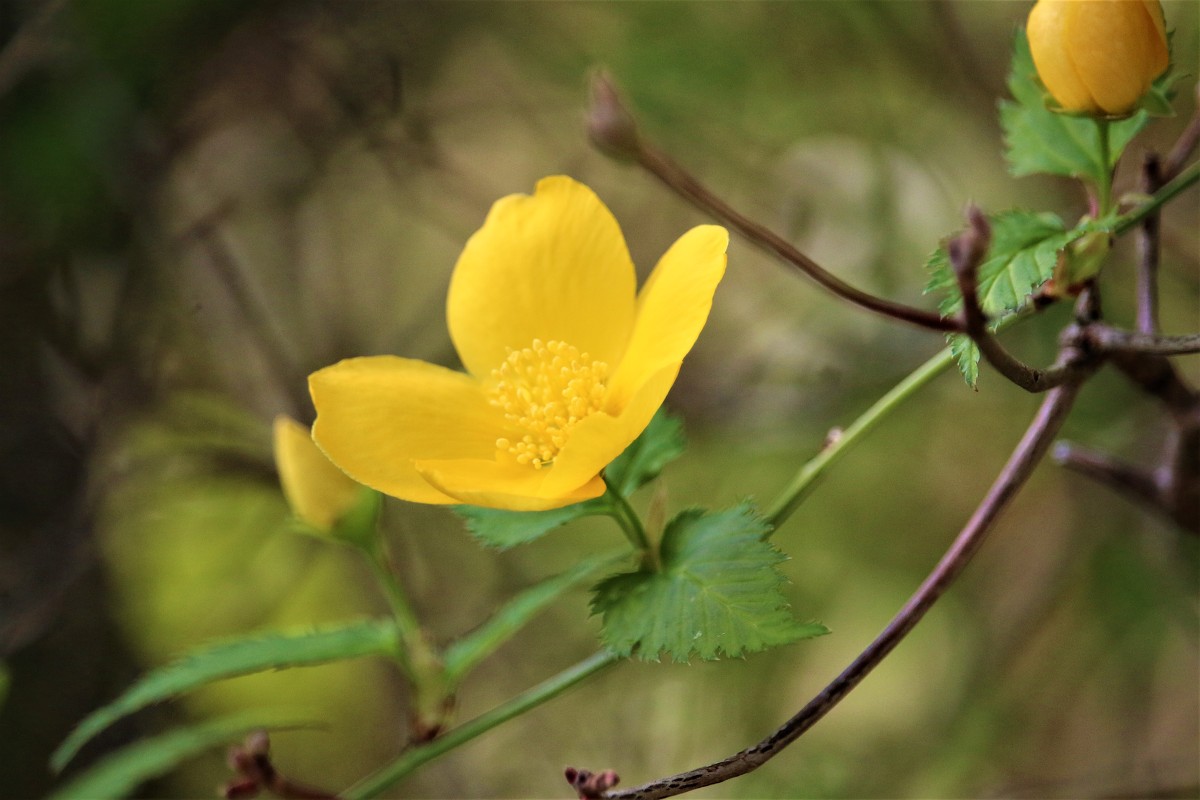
{"x": 613, "y": 129}
{"x": 1025, "y": 457}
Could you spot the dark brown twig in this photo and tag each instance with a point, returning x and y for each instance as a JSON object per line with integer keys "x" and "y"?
{"x": 1025, "y": 457}
{"x": 1108, "y": 339}
{"x": 254, "y": 773}
{"x": 613, "y": 129}
{"x": 966, "y": 252}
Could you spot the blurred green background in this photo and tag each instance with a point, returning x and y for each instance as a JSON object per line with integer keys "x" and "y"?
{"x": 201, "y": 201}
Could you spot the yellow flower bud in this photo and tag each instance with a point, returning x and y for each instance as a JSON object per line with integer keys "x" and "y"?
{"x": 1098, "y": 56}
{"x": 318, "y": 492}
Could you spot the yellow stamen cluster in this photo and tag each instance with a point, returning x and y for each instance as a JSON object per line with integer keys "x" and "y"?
{"x": 544, "y": 390}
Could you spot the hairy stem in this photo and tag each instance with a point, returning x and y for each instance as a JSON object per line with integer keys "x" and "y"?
{"x": 1025, "y": 457}
{"x": 411, "y": 759}
{"x": 1180, "y": 183}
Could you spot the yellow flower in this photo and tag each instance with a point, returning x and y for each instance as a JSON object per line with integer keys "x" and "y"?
{"x": 319, "y": 493}
{"x": 565, "y": 363}
{"x": 1098, "y": 56}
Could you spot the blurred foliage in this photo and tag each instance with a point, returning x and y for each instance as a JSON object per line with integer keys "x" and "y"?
{"x": 201, "y": 202}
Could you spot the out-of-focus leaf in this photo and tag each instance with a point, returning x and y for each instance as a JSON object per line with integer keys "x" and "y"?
{"x": 123, "y": 771}
{"x": 463, "y": 655}
{"x": 231, "y": 659}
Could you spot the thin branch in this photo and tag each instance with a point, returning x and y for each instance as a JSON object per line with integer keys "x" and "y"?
{"x": 613, "y": 129}
{"x": 1108, "y": 339}
{"x": 1148, "y": 252}
{"x": 1125, "y": 478}
{"x": 967, "y": 251}
{"x": 1025, "y": 457}
{"x": 411, "y": 759}
{"x": 1185, "y": 145}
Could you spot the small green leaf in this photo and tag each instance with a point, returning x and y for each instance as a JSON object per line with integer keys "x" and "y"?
{"x": 717, "y": 592}
{"x": 1021, "y": 257}
{"x": 120, "y": 773}
{"x": 495, "y": 527}
{"x": 661, "y": 443}
{"x": 642, "y": 461}
{"x": 463, "y": 655}
{"x": 1039, "y": 140}
{"x": 231, "y": 659}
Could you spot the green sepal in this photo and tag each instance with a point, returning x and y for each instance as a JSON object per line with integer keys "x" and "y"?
{"x": 717, "y": 592}
{"x": 641, "y": 462}
{"x": 230, "y": 659}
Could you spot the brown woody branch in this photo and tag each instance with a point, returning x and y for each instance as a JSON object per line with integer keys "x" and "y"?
{"x": 613, "y": 129}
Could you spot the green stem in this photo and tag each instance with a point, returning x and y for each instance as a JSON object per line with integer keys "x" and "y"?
{"x": 1184, "y": 180}
{"x": 1105, "y": 188}
{"x": 627, "y": 518}
{"x": 413, "y": 758}
{"x": 406, "y": 618}
{"x": 791, "y": 497}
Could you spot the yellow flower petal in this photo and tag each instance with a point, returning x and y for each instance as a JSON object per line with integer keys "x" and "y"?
{"x": 317, "y": 491}
{"x": 552, "y": 266}
{"x": 598, "y": 439}
{"x": 1046, "y": 28}
{"x": 505, "y": 486}
{"x": 1109, "y": 42}
{"x": 377, "y": 415}
{"x": 672, "y": 309}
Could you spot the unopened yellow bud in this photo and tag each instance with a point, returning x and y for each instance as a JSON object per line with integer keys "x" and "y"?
{"x": 1098, "y": 56}
{"x": 318, "y": 492}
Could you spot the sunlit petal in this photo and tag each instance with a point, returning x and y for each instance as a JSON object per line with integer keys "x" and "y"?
{"x": 672, "y": 309}
{"x": 376, "y": 415}
{"x": 551, "y": 266}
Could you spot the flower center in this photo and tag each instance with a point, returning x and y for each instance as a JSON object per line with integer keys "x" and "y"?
{"x": 544, "y": 390}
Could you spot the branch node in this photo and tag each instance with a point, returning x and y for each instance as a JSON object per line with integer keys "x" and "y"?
{"x": 591, "y": 785}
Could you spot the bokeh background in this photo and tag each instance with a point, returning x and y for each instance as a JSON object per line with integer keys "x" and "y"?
{"x": 201, "y": 201}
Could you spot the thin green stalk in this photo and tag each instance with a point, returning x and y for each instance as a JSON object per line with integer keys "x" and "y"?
{"x": 406, "y": 618}
{"x": 1106, "y": 172}
{"x": 1184, "y": 180}
{"x": 411, "y": 759}
{"x": 627, "y": 518}
{"x": 791, "y": 497}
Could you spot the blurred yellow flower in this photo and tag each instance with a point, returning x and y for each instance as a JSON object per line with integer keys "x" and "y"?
{"x": 1098, "y": 56}
{"x": 319, "y": 493}
{"x": 565, "y": 362}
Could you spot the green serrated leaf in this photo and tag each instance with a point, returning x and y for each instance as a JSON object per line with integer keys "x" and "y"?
{"x": 642, "y": 461}
{"x": 1040, "y": 140}
{"x": 464, "y": 654}
{"x": 120, "y": 773}
{"x": 1022, "y": 256}
{"x": 966, "y": 353}
{"x": 717, "y": 592}
{"x": 231, "y": 659}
